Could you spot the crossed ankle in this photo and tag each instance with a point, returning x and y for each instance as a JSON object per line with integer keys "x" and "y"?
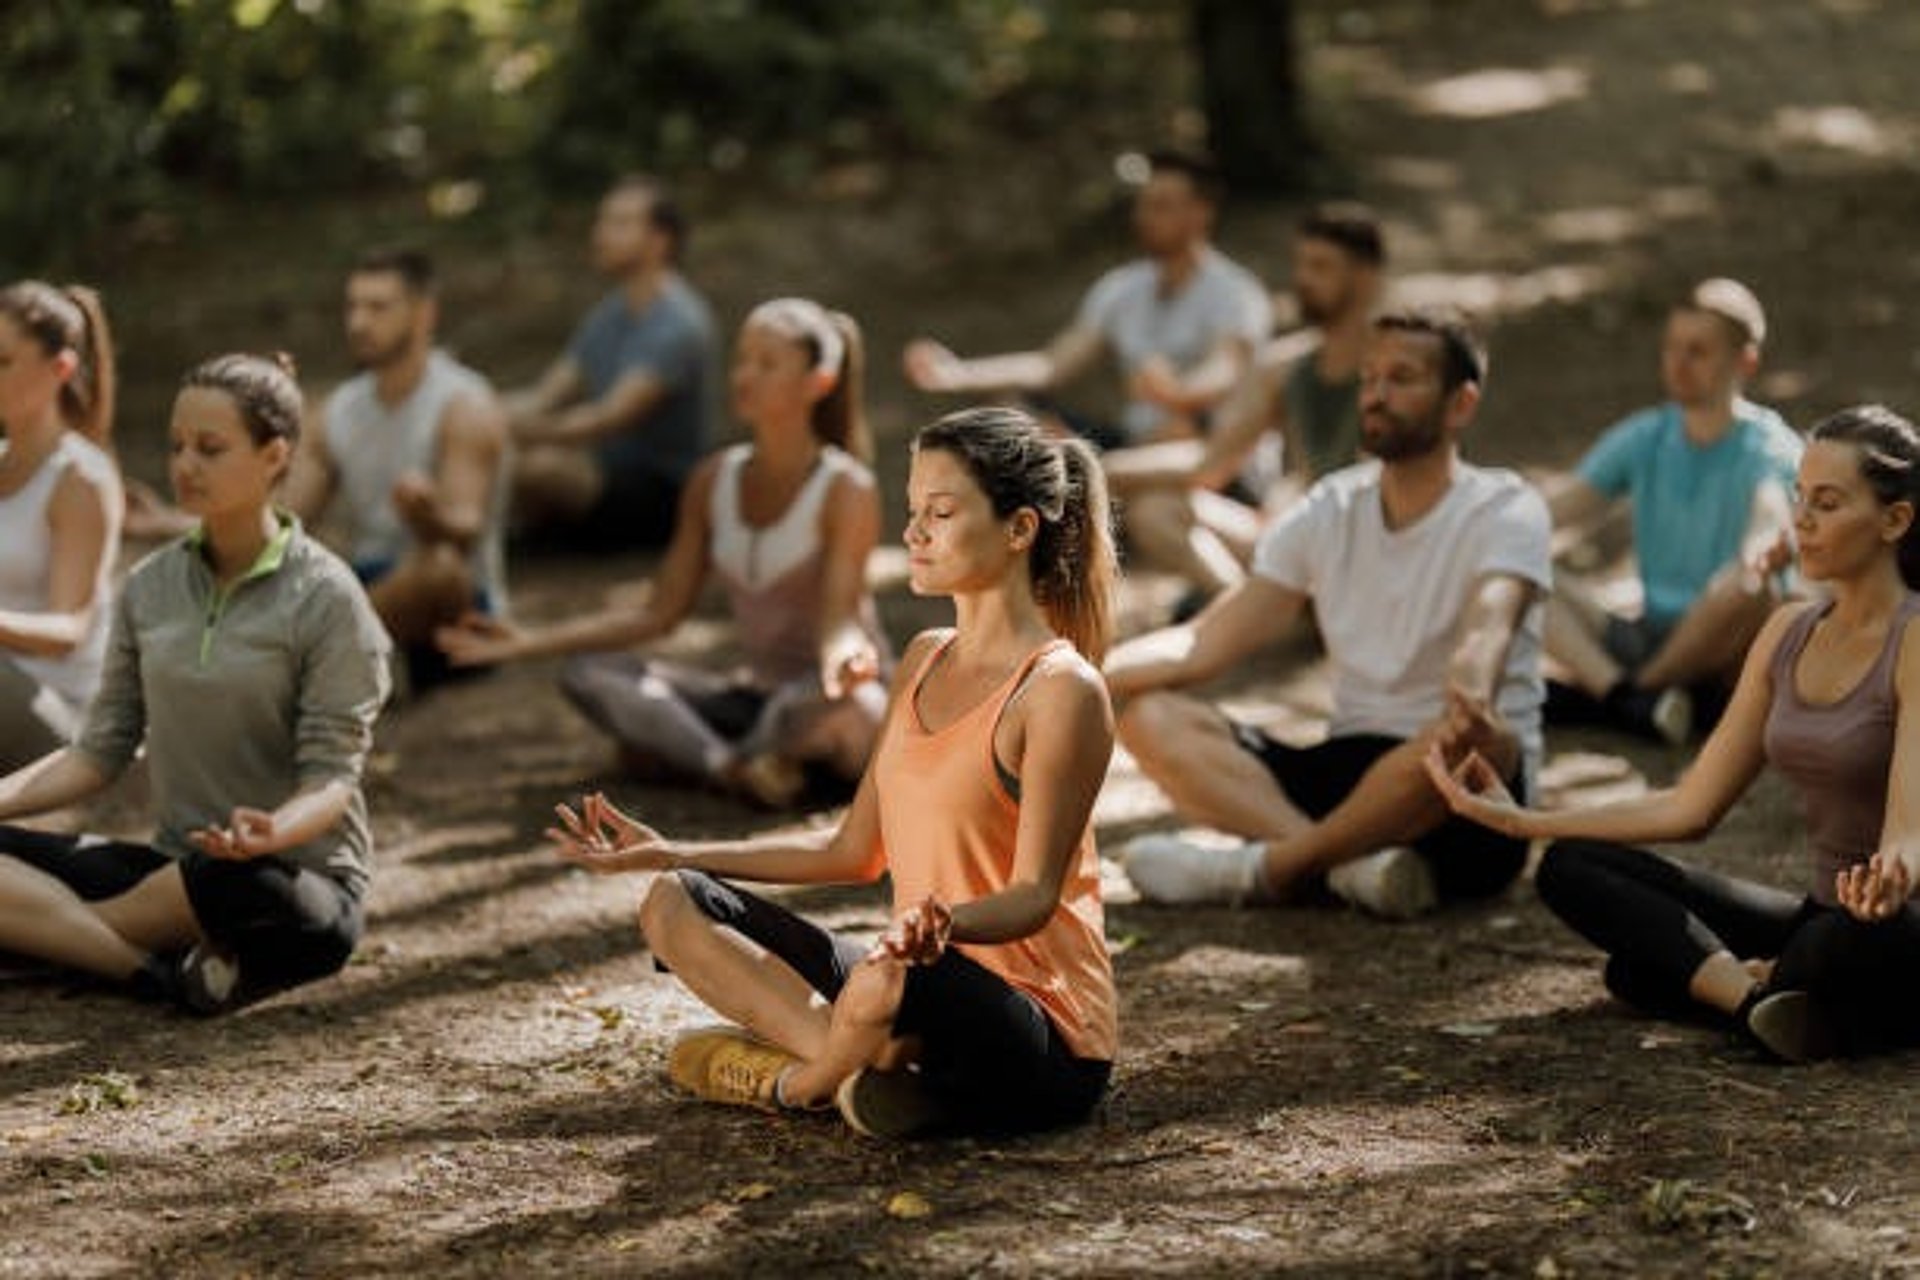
{"x": 786, "y": 1102}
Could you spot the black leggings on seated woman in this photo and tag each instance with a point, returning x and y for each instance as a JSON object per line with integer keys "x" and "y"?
{"x": 1658, "y": 920}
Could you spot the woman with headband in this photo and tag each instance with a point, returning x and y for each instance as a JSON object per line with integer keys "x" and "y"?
{"x": 60, "y": 509}
{"x": 786, "y": 523}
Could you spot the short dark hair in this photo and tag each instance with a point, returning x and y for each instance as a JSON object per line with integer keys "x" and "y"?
{"x": 1199, "y": 171}
{"x": 1463, "y": 357}
{"x": 413, "y": 265}
{"x": 663, "y": 211}
{"x": 1348, "y": 225}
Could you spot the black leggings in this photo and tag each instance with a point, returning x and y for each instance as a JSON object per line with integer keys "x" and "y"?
{"x": 1658, "y": 921}
{"x": 995, "y": 1059}
{"x": 284, "y": 924}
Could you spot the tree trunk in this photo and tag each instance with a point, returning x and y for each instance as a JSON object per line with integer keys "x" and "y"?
{"x": 1250, "y": 92}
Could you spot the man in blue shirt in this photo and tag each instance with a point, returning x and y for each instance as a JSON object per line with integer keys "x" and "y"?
{"x": 1708, "y": 474}
{"x": 610, "y": 432}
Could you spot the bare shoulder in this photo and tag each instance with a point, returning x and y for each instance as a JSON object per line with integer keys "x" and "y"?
{"x": 920, "y": 648}
{"x": 1779, "y": 620}
{"x": 474, "y": 417}
{"x": 1906, "y": 673}
{"x": 1065, "y": 683}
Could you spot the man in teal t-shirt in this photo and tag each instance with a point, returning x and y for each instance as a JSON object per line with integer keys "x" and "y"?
{"x": 1708, "y": 475}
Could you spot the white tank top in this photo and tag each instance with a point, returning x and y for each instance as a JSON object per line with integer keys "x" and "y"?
{"x": 26, "y": 562}
{"x": 373, "y": 443}
{"x": 773, "y": 573}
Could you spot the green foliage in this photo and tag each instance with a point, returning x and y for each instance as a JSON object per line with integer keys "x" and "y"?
{"x": 115, "y": 108}
{"x": 125, "y": 104}
{"x": 678, "y": 83}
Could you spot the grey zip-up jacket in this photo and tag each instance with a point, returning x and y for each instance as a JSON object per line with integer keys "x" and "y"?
{"x": 244, "y": 695}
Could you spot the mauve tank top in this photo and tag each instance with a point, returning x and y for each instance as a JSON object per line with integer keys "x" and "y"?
{"x": 1837, "y": 755}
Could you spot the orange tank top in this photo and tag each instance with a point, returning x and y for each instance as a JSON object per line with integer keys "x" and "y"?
{"x": 948, "y": 827}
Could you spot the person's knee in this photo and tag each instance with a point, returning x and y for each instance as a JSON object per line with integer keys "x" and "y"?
{"x": 665, "y": 909}
{"x": 1564, "y": 869}
{"x": 445, "y": 574}
{"x": 1831, "y": 955}
{"x": 871, "y": 996}
{"x": 1148, "y": 723}
{"x": 581, "y": 678}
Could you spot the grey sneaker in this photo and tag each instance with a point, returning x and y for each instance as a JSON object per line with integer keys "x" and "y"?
{"x": 1673, "y": 716}
{"x": 889, "y": 1104}
{"x": 209, "y": 980}
{"x": 1175, "y": 871}
{"x": 1394, "y": 884}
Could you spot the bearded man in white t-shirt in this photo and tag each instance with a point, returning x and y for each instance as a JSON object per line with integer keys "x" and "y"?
{"x": 1426, "y": 575}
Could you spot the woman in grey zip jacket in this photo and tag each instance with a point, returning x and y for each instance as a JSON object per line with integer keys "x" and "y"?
{"x": 248, "y": 662}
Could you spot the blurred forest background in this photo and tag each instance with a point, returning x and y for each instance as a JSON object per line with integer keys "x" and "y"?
{"x": 949, "y": 166}
{"x": 114, "y": 108}
{"x": 214, "y": 164}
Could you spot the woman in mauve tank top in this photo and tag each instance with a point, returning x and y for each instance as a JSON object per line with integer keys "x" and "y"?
{"x": 988, "y": 1003}
{"x": 786, "y": 524}
{"x": 1827, "y": 697}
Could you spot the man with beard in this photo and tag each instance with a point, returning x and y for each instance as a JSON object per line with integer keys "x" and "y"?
{"x": 1426, "y": 575}
{"x": 1182, "y": 321}
{"x": 1179, "y": 500}
{"x": 415, "y": 448}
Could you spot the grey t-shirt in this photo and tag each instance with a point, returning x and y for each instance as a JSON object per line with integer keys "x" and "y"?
{"x": 1221, "y": 299}
{"x": 671, "y": 340}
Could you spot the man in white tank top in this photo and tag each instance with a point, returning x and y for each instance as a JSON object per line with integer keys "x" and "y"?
{"x": 413, "y": 453}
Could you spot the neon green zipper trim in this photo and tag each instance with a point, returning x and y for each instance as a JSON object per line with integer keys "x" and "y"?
{"x": 268, "y": 561}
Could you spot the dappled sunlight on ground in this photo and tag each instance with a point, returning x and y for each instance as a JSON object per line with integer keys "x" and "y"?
{"x": 1499, "y": 91}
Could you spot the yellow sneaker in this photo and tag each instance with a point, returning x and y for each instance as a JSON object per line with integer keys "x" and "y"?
{"x": 726, "y": 1064}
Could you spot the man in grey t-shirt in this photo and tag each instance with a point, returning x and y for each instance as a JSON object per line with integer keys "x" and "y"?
{"x": 610, "y": 432}
{"x": 1181, "y": 321}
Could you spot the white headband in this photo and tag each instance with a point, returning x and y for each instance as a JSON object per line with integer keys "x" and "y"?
{"x": 811, "y": 317}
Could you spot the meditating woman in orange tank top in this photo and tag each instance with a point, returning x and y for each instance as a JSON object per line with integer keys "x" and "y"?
{"x": 988, "y": 1003}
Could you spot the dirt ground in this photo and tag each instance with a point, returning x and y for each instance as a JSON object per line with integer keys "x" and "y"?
{"x": 1300, "y": 1091}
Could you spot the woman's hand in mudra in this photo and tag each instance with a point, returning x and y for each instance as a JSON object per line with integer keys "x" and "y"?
{"x": 1875, "y": 889}
{"x": 920, "y": 935}
{"x": 604, "y": 840}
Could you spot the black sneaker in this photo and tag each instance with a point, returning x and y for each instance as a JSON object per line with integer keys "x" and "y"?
{"x": 1791, "y": 1027}
{"x": 889, "y": 1104}
{"x": 157, "y": 980}
{"x": 1660, "y": 715}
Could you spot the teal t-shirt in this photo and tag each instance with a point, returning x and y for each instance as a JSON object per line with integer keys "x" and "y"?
{"x": 1691, "y": 505}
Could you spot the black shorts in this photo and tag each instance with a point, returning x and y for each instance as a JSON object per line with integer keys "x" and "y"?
{"x": 988, "y": 1050}
{"x": 285, "y": 924}
{"x": 636, "y": 511}
{"x": 1467, "y": 859}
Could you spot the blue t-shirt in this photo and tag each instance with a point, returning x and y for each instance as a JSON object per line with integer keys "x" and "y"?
{"x": 1691, "y": 505}
{"x": 671, "y": 341}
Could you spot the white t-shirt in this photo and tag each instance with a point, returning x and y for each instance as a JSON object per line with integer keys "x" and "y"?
{"x": 1221, "y": 299}
{"x": 1389, "y": 602}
